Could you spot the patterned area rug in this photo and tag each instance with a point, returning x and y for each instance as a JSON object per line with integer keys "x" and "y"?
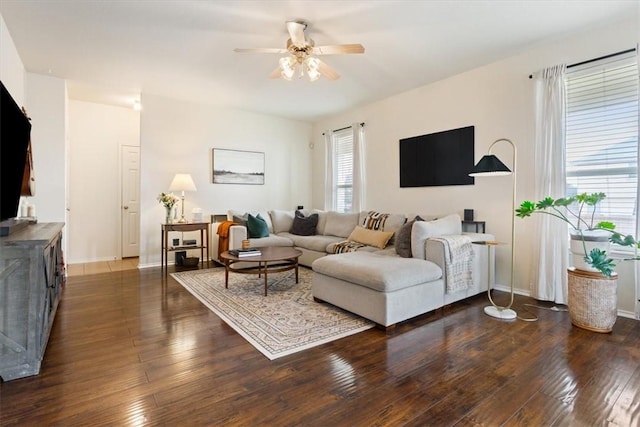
{"x": 286, "y": 321}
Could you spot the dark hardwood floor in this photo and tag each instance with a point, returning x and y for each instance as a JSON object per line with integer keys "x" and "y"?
{"x": 129, "y": 348}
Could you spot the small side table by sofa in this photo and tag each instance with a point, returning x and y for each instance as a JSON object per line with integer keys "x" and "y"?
{"x": 203, "y": 227}
{"x": 479, "y": 226}
{"x": 494, "y": 310}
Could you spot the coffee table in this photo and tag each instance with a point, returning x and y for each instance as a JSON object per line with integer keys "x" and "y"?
{"x": 272, "y": 259}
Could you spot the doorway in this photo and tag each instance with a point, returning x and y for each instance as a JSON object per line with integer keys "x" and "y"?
{"x": 130, "y": 183}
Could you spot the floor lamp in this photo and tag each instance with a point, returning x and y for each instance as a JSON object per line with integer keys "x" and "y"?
{"x": 182, "y": 182}
{"x": 490, "y": 165}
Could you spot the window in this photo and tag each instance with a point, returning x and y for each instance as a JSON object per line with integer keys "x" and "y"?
{"x": 343, "y": 170}
{"x": 602, "y": 138}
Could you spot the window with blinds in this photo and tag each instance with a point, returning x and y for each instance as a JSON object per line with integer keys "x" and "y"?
{"x": 602, "y": 138}
{"x": 343, "y": 170}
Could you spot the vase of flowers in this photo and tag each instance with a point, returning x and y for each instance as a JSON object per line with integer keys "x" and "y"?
{"x": 168, "y": 200}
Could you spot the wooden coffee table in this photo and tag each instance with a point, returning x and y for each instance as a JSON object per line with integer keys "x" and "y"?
{"x": 272, "y": 259}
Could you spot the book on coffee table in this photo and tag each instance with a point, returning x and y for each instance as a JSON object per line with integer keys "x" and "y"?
{"x": 240, "y": 253}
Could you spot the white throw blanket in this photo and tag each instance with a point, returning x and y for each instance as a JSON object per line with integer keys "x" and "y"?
{"x": 458, "y": 258}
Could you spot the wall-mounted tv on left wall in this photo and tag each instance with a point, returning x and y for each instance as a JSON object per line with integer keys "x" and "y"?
{"x": 436, "y": 159}
{"x": 14, "y": 140}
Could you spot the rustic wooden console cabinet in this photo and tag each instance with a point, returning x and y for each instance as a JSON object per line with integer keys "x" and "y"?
{"x": 31, "y": 282}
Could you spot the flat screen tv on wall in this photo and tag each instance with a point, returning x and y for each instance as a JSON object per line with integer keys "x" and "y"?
{"x": 436, "y": 159}
{"x": 15, "y": 131}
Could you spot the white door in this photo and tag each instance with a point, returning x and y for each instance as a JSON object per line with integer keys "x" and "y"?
{"x": 130, "y": 160}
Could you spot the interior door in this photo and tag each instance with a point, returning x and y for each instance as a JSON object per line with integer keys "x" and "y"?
{"x": 130, "y": 160}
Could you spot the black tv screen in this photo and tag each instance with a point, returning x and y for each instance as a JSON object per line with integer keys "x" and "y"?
{"x": 441, "y": 158}
{"x": 15, "y": 131}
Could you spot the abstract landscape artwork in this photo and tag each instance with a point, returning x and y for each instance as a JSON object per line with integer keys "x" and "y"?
{"x": 237, "y": 167}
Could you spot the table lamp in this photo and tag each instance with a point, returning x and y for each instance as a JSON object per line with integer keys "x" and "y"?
{"x": 490, "y": 165}
{"x": 182, "y": 182}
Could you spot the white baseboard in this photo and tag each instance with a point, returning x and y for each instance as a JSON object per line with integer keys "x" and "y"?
{"x": 498, "y": 287}
{"x": 151, "y": 264}
{"x": 504, "y": 288}
{"x": 627, "y": 314}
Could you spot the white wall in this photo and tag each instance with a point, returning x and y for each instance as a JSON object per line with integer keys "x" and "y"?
{"x": 498, "y": 100}
{"x": 47, "y": 105}
{"x": 177, "y": 137}
{"x": 11, "y": 66}
{"x": 96, "y": 133}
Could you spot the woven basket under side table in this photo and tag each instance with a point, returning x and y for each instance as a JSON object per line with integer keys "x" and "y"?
{"x": 593, "y": 300}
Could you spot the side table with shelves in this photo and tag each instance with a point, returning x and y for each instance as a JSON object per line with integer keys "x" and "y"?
{"x": 182, "y": 227}
{"x": 478, "y": 226}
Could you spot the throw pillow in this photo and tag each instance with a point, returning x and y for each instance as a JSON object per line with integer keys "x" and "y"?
{"x": 403, "y": 238}
{"x": 242, "y": 220}
{"x": 304, "y": 226}
{"x": 376, "y": 238}
{"x": 257, "y": 227}
{"x": 374, "y": 220}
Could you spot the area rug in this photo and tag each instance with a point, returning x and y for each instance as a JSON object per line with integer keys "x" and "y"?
{"x": 284, "y": 322}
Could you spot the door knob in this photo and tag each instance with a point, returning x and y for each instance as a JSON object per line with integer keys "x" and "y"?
{"x": 126, "y": 207}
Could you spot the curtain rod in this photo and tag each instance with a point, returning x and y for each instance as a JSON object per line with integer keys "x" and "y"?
{"x": 344, "y": 128}
{"x": 588, "y": 61}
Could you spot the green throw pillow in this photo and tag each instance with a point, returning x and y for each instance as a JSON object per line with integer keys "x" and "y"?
{"x": 257, "y": 227}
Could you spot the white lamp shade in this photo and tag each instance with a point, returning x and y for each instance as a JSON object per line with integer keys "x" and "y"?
{"x": 182, "y": 182}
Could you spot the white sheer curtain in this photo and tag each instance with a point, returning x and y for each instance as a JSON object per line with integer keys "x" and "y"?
{"x": 551, "y": 256}
{"x": 328, "y": 165}
{"x": 358, "y": 167}
{"x": 637, "y": 263}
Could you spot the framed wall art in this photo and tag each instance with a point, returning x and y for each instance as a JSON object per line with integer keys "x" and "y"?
{"x": 237, "y": 167}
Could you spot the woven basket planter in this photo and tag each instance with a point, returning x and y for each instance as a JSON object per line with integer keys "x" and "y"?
{"x": 593, "y": 300}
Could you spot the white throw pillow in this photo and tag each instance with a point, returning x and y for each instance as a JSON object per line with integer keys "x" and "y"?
{"x": 422, "y": 230}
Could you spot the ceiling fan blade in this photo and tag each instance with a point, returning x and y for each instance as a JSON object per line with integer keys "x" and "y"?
{"x": 262, "y": 50}
{"x": 327, "y": 71}
{"x": 296, "y": 33}
{"x": 275, "y": 74}
{"x": 338, "y": 49}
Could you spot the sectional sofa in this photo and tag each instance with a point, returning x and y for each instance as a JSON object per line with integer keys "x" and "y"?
{"x": 394, "y": 266}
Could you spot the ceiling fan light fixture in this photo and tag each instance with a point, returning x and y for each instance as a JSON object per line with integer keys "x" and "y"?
{"x": 313, "y": 65}
{"x": 287, "y": 67}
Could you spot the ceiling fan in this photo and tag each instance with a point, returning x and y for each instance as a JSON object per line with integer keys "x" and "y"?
{"x": 301, "y": 55}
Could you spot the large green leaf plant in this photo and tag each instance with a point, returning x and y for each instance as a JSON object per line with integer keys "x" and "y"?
{"x": 579, "y": 212}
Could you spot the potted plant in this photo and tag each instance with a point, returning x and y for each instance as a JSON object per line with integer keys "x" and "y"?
{"x": 588, "y": 240}
{"x": 592, "y": 293}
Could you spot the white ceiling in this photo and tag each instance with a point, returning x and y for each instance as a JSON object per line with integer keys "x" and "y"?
{"x": 111, "y": 51}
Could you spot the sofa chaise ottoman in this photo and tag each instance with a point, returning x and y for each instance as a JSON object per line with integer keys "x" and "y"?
{"x": 385, "y": 289}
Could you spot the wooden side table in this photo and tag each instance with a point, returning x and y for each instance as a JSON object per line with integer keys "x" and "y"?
{"x": 203, "y": 227}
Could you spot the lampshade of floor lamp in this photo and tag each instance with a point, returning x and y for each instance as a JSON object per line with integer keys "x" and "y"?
{"x": 182, "y": 182}
{"x": 490, "y": 165}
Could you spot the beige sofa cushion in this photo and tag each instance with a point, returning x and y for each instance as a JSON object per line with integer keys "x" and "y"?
{"x": 379, "y": 272}
{"x": 422, "y": 230}
{"x": 282, "y": 220}
{"x": 316, "y": 243}
{"x": 340, "y": 224}
{"x": 322, "y": 221}
{"x": 271, "y": 240}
